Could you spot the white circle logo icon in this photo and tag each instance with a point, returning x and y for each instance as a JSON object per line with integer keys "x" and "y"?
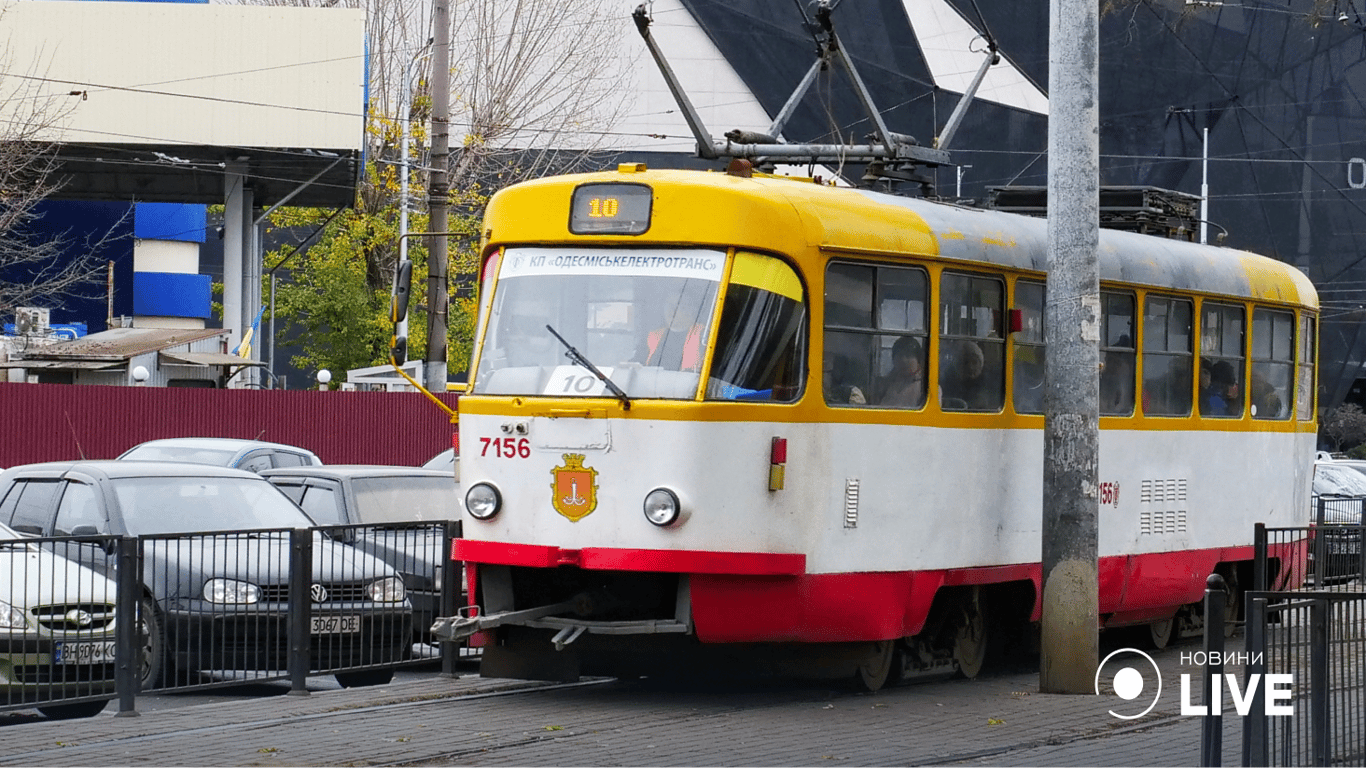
{"x": 1130, "y": 679}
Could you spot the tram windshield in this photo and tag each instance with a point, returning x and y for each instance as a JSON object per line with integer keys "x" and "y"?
{"x": 645, "y": 319}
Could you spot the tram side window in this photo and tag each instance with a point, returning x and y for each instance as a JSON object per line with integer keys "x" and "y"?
{"x": 1166, "y": 357}
{"x": 1028, "y": 344}
{"x": 1221, "y": 360}
{"x": 761, "y": 344}
{"x": 1273, "y": 363}
{"x": 1304, "y": 389}
{"x": 1117, "y": 354}
{"x": 876, "y": 325}
{"x": 971, "y": 344}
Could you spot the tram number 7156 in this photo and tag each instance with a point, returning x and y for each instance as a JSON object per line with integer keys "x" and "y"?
{"x": 506, "y": 447}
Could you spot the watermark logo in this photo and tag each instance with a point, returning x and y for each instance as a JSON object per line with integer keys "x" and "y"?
{"x": 1128, "y": 682}
{"x": 1135, "y": 677}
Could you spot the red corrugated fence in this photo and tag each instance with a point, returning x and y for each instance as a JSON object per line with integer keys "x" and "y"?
{"x": 53, "y": 422}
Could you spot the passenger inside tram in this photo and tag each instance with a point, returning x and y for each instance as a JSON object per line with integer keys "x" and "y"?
{"x": 964, "y": 383}
{"x": 904, "y": 385}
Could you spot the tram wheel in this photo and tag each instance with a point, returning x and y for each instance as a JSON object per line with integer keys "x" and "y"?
{"x": 877, "y": 669}
{"x": 1160, "y": 632}
{"x": 970, "y": 639}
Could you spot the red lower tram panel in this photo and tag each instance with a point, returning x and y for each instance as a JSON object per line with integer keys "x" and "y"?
{"x": 746, "y": 597}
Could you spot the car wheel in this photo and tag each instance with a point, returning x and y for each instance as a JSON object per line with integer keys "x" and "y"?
{"x": 364, "y": 677}
{"x": 72, "y": 711}
{"x": 152, "y": 645}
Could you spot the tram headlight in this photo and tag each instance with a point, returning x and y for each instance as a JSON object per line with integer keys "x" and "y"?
{"x": 662, "y": 507}
{"x": 483, "y": 501}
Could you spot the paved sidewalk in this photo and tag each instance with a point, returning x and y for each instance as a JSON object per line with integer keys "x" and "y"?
{"x": 999, "y": 720}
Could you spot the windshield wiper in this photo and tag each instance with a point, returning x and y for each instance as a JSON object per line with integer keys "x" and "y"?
{"x": 578, "y": 358}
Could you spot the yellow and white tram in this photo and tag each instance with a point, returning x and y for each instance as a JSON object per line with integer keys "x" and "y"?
{"x": 749, "y": 470}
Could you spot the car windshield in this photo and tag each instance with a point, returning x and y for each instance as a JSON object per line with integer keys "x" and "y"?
{"x": 153, "y": 505}
{"x": 403, "y": 499}
{"x": 218, "y": 457}
{"x": 644, "y": 318}
{"x": 1338, "y": 480}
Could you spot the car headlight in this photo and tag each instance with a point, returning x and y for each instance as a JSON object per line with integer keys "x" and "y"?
{"x": 483, "y": 501}
{"x": 11, "y": 617}
{"x": 387, "y": 590}
{"x": 231, "y": 591}
{"x": 662, "y": 507}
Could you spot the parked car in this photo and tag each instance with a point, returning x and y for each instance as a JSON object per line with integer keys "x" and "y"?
{"x": 57, "y": 626}
{"x": 220, "y": 600}
{"x": 251, "y": 455}
{"x": 386, "y": 500}
{"x": 1340, "y": 489}
{"x": 445, "y": 461}
{"x": 1357, "y": 464}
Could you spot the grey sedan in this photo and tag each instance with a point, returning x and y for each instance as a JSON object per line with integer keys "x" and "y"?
{"x": 389, "y": 503}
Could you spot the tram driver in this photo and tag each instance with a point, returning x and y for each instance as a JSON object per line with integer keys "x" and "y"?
{"x": 679, "y": 344}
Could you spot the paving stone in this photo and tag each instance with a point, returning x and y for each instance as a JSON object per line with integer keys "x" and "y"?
{"x": 999, "y": 720}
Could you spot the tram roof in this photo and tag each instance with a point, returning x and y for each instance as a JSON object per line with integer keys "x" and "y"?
{"x": 797, "y": 214}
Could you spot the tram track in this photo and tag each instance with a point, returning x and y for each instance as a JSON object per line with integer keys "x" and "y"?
{"x": 117, "y": 738}
{"x": 474, "y": 721}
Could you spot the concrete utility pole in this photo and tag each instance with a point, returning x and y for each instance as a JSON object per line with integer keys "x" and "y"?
{"x": 1070, "y": 642}
{"x": 437, "y": 196}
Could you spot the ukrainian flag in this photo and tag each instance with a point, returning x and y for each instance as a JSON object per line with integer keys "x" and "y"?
{"x": 244, "y": 349}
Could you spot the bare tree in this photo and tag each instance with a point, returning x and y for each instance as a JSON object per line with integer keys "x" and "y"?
{"x": 536, "y": 87}
{"x": 1345, "y": 426}
{"x": 38, "y": 267}
{"x": 396, "y": 32}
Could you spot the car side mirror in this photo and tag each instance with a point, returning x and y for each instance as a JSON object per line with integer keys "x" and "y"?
{"x": 107, "y": 544}
{"x": 403, "y": 281}
{"x": 344, "y": 535}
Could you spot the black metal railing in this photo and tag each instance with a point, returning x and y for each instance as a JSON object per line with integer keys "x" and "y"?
{"x": 1306, "y": 644}
{"x": 220, "y": 608}
{"x": 58, "y": 628}
{"x": 1316, "y": 640}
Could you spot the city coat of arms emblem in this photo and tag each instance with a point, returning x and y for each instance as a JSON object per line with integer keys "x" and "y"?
{"x": 574, "y": 492}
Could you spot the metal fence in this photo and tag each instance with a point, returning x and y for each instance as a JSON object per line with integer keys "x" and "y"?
{"x": 1317, "y": 639}
{"x": 218, "y": 608}
{"x": 58, "y": 625}
{"x": 1306, "y": 620}
{"x": 1335, "y": 554}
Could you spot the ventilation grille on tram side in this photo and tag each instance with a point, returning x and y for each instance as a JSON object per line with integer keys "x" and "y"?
{"x": 1164, "y": 506}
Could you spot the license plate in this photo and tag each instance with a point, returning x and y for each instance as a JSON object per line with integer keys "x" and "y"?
{"x": 334, "y": 625}
{"x": 84, "y": 653}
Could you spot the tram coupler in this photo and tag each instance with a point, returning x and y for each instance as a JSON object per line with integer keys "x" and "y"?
{"x": 471, "y": 619}
{"x": 567, "y": 635}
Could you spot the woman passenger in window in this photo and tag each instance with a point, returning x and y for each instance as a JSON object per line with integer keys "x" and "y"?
{"x": 965, "y": 385}
{"x": 1223, "y": 398}
{"x": 1264, "y": 397}
{"x": 904, "y": 385}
